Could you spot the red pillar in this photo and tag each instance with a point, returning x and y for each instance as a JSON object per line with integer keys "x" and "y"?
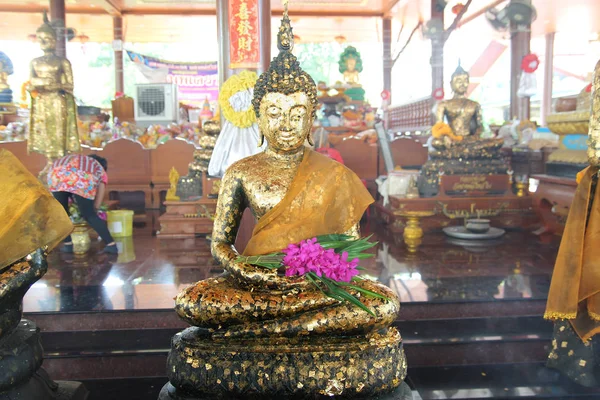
{"x": 519, "y": 47}
{"x": 58, "y": 19}
{"x": 118, "y": 49}
{"x": 264, "y": 35}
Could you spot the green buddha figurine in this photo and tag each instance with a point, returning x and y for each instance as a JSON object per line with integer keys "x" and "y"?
{"x": 259, "y": 334}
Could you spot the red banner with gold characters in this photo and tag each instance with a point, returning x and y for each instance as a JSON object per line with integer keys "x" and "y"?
{"x": 244, "y": 50}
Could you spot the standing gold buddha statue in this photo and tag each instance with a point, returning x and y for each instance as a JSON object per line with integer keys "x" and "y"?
{"x": 257, "y": 333}
{"x": 53, "y": 122}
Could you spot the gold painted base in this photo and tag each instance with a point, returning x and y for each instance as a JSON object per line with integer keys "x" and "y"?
{"x": 413, "y": 233}
{"x": 351, "y": 367}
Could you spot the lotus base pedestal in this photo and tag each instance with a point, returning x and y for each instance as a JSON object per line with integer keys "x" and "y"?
{"x": 360, "y": 367}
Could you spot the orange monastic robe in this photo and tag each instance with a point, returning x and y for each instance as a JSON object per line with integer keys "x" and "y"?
{"x": 324, "y": 198}
{"x": 575, "y": 288}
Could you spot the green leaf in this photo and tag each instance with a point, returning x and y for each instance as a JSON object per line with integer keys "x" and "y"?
{"x": 347, "y": 296}
{"x": 334, "y": 237}
{"x": 365, "y": 291}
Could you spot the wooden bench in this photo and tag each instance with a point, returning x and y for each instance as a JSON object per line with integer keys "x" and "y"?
{"x": 34, "y": 162}
{"x": 129, "y": 168}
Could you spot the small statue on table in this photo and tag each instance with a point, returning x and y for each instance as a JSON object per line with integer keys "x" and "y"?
{"x": 173, "y": 179}
{"x": 457, "y": 147}
{"x": 190, "y": 187}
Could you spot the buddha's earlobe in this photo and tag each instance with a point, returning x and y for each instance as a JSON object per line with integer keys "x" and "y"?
{"x": 310, "y": 139}
{"x": 261, "y": 139}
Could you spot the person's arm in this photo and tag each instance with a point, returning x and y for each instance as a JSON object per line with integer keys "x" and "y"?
{"x": 99, "y": 195}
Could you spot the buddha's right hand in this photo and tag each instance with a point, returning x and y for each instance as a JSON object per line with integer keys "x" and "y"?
{"x": 263, "y": 278}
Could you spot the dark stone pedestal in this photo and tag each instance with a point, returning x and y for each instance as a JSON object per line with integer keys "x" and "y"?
{"x": 403, "y": 392}
{"x": 357, "y": 367}
{"x": 21, "y": 375}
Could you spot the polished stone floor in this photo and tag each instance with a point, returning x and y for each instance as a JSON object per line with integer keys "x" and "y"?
{"x": 149, "y": 272}
{"x": 471, "y": 316}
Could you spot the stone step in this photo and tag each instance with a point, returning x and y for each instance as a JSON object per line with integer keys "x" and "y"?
{"x": 484, "y": 381}
{"x": 87, "y": 354}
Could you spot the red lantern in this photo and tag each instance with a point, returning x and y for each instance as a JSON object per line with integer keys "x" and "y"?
{"x": 438, "y": 94}
{"x": 457, "y": 8}
{"x": 385, "y": 95}
{"x": 530, "y": 63}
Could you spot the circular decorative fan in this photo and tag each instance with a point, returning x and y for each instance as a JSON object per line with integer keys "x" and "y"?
{"x": 152, "y": 101}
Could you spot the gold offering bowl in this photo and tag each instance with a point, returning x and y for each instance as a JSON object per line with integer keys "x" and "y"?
{"x": 413, "y": 233}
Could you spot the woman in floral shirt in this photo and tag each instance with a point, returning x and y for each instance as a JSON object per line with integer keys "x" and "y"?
{"x": 84, "y": 179}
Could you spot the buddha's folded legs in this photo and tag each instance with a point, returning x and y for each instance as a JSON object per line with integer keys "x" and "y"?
{"x": 217, "y": 303}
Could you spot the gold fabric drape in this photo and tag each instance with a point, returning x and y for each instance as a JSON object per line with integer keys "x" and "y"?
{"x": 30, "y": 216}
{"x": 575, "y": 288}
{"x": 53, "y": 125}
{"x": 325, "y": 197}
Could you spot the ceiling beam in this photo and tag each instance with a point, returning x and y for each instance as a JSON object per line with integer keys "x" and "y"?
{"x": 109, "y": 6}
{"x": 274, "y": 13}
{"x": 387, "y": 9}
{"x": 479, "y": 12}
{"x": 38, "y": 9}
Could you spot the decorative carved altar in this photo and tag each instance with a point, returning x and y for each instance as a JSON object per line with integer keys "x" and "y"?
{"x": 188, "y": 219}
{"x": 556, "y": 188}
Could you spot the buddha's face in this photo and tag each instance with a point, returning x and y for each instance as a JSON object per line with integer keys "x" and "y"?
{"x": 285, "y": 120}
{"x": 460, "y": 83}
{"x": 351, "y": 64}
{"x": 46, "y": 41}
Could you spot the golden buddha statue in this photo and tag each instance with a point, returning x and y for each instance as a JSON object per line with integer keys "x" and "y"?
{"x": 457, "y": 148}
{"x": 53, "y": 123}
{"x": 465, "y": 119}
{"x": 574, "y": 295}
{"x": 284, "y": 329}
{"x": 33, "y": 223}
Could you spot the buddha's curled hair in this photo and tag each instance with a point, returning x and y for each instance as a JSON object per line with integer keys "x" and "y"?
{"x": 285, "y": 76}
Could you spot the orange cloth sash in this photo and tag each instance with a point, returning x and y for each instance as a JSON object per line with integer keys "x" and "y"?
{"x": 324, "y": 198}
{"x": 31, "y": 217}
{"x": 575, "y": 288}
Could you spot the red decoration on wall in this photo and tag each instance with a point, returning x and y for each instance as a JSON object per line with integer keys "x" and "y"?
{"x": 385, "y": 95}
{"x": 438, "y": 94}
{"x": 588, "y": 88}
{"x": 457, "y": 8}
{"x": 244, "y": 49}
{"x": 530, "y": 63}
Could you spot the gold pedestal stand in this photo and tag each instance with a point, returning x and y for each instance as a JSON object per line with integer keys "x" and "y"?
{"x": 413, "y": 233}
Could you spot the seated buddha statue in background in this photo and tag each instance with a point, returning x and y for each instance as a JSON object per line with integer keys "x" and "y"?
{"x": 295, "y": 194}
{"x": 257, "y": 333}
{"x": 459, "y": 150}
{"x": 464, "y": 118}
